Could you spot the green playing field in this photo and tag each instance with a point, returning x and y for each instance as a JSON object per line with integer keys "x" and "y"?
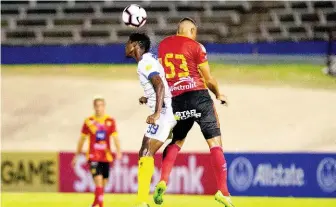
{"x": 118, "y": 200}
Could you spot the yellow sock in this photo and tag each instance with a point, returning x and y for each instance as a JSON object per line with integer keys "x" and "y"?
{"x": 145, "y": 173}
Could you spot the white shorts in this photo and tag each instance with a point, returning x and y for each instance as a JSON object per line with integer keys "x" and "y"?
{"x": 163, "y": 127}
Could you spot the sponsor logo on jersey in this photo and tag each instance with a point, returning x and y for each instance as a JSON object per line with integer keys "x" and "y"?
{"x": 100, "y": 135}
{"x": 182, "y": 115}
{"x": 326, "y": 175}
{"x": 148, "y": 67}
{"x": 100, "y": 146}
{"x": 185, "y": 83}
{"x": 242, "y": 175}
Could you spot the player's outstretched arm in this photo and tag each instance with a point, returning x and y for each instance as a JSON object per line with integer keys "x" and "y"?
{"x": 159, "y": 91}
{"x": 80, "y": 145}
{"x": 211, "y": 82}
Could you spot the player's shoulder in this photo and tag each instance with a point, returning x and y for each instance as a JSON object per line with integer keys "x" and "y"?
{"x": 110, "y": 121}
{"x": 147, "y": 62}
{"x": 195, "y": 43}
{"x": 201, "y": 46}
{"x": 167, "y": 39}
{"x": 190, "y": 42}
{"x": 147, "y": 57}
{"x": 88, "y": 120}
{"x": 109, "y": 118}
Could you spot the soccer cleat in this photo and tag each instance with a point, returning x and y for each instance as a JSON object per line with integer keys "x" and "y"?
{"x": 160, "y": 189}
{"x": 225, "y": 200}
{"x": 142, "y": 205}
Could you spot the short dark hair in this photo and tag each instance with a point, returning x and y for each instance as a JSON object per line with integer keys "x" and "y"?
{"x": 188, "y": 19}
{"x": 142, "y": 39}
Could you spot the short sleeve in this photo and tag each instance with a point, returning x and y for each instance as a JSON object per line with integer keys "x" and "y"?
{"x": 85, "y": 129}
{"x": 201, "y": 55}
{"x": 148, "y": 69}
{"x": 114, "y": 127}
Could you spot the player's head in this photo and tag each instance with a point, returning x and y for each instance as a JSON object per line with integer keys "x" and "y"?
{"x": 99, "y": 106}
{"x": 187, "y": 27}
{"x": 137, "y": 44}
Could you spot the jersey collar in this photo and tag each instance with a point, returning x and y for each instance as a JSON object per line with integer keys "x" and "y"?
{"x": 145, "y": 54}
{"x": 100, "y": 119}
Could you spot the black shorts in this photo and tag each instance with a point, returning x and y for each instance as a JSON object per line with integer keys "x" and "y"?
{"x": 195, "y": 106}
{"x": 100, "y": 168}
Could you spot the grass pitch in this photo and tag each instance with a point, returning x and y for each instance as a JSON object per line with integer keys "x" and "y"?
{"x": 292, "y": 75}
{"x": 77, "y": 200}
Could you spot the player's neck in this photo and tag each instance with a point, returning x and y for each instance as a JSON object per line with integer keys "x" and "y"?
{"x": 99, "y": 116}
{"x": 184, "y": 35}
{"x": 138, "y": 55}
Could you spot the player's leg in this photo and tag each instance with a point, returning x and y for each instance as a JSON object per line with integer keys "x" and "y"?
{"x": 154, "y": 138}
{"x": 96, "y": 171}
{"x": 179, "y": 105}
{"x": 106, "y": 173}
{"x": 210, "y": 128}
{"x": 170, "y": 153}
{"x": 219, "y": 167}
{"x": 146, "y": 167}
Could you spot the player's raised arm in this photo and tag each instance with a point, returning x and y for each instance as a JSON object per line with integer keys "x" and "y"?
{"x": 158, "y": 86}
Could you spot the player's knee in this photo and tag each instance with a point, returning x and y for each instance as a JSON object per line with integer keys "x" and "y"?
{"x": 99, "y": 181}
{"x": 214, "y": 142}
{"x": 145, "y": 152}
{"x": 180, "y": 143}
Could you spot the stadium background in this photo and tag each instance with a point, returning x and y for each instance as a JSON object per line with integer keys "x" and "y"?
{"x": 279, "y": 129}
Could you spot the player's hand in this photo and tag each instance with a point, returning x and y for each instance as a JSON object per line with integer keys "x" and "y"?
{"x": 142, "y": 100}
{"x": 152, "y": 118}
{"x": 222, "y": 99}
{"x": 119, "y": 156}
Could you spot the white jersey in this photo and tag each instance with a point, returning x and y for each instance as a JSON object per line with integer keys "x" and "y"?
{"x": 147, "y": 67}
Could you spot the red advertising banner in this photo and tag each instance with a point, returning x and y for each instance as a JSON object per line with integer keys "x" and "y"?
{"x": 192, "y": 174}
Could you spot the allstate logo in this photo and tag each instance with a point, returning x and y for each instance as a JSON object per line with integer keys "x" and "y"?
{"x": 326, "y": 174}
{"x": 241, "y": 174}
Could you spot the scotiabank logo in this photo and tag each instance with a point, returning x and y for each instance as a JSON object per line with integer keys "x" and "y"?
{"x": 185, "y": 83}
{"x": 123, "y": 177}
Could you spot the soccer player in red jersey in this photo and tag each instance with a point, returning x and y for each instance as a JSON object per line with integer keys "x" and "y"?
{"x": 99, "y": 128}
{"x": 189, "y": 78}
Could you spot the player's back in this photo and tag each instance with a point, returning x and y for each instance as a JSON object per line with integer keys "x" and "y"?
{"x": 180, "y": 57}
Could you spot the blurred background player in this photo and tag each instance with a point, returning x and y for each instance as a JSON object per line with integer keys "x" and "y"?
{"x": 158, "y": 98}
{"x": 99, "y": 128}
{"x": 188, "y": 75}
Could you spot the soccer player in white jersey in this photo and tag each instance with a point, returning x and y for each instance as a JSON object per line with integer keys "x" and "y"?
{"x": 158, "y": 97}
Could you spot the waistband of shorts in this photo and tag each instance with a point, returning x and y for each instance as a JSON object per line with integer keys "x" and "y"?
{"x": 201, "y": 92}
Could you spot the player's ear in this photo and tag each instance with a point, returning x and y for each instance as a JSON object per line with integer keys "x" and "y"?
{"x": 135, "y": 45}
{"x": 193, "y": 31}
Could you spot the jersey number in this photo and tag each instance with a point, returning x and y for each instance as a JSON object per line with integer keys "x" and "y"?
{"x": 152, "y": 129}
{"x": 183, "y": 66}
